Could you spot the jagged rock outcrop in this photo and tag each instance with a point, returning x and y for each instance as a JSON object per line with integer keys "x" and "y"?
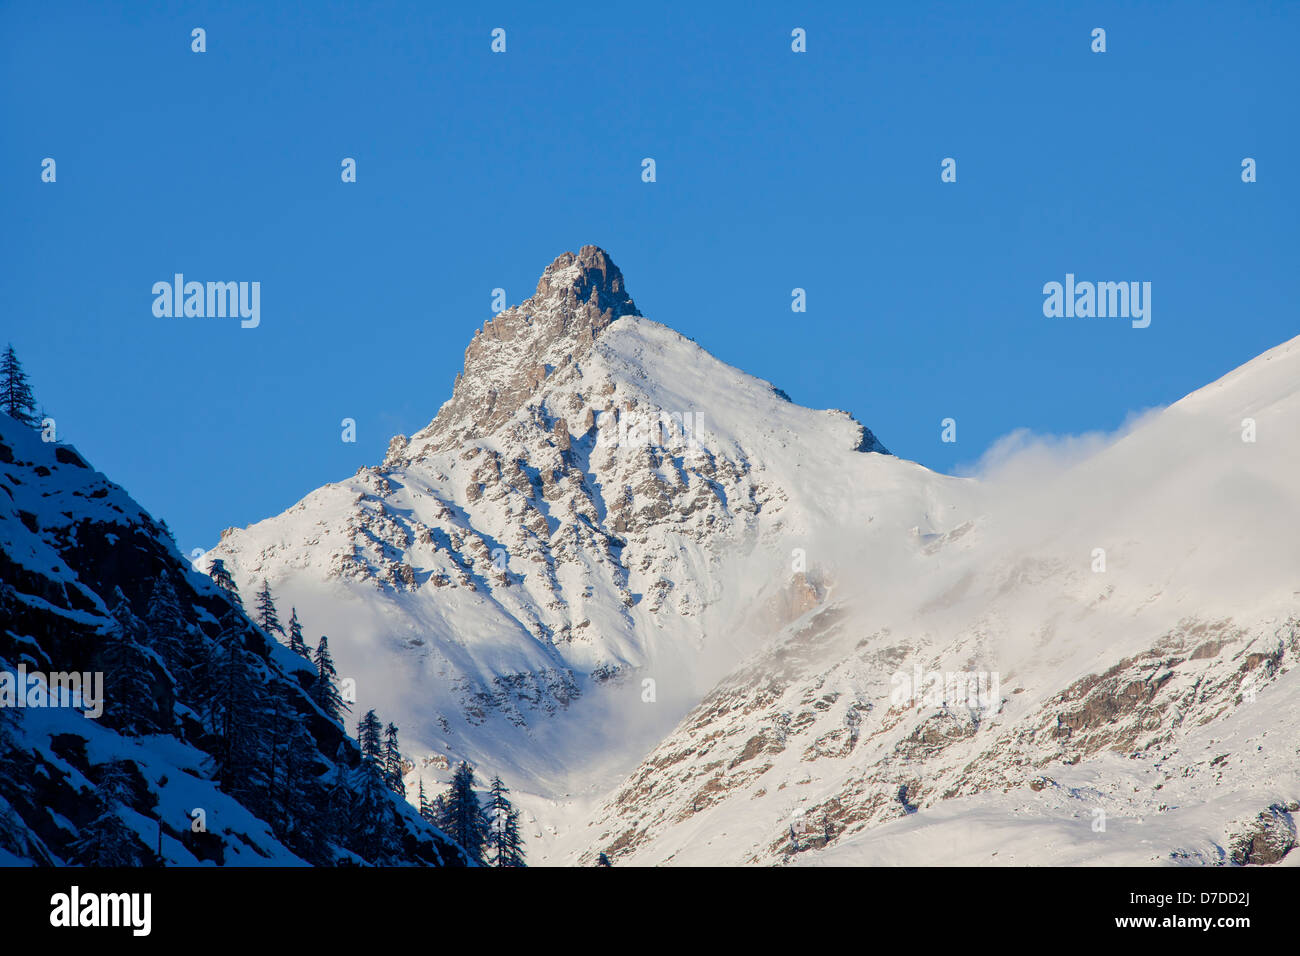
{"x": 1268, "y": 838}
{"x": 520, "y": 348}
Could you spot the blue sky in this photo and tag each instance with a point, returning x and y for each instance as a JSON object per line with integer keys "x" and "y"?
{"x": 775, "y": 170}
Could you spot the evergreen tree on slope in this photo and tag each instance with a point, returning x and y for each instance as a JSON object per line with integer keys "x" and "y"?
{"x": 129, "y": 705}
{"x": 222, "y": 578}
{"x": 393, "y": 762}
{"x": 236, "y": 713}
{"x": 266, "y": 616}
{"x": 503, "y": 837}
{"x": 296, "y": 643}
{"x": 465, "y": 821}
{"x": 165, "y": 623}
{"x": 370, "y": 736}
{"x": 16, "y": 399}
{"x": 325, "y": 690}
{"x": 107, "y": 840}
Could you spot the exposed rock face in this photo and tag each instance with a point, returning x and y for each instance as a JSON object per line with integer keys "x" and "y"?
{"x": 1268, "y": 839}
{"x": 520, "y": 348}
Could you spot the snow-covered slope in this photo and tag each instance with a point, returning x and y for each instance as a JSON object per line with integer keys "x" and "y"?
{"x": 91, "y": 584}
{"x": 1130, "y": 624}
{"x": 601, "y": 503}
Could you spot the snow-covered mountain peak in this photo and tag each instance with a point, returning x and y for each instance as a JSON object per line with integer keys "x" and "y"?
{"x": 589, "y": 272}
{"x": 600, "y": 503}
{"x": 517, "y": 350}
{"x": 549, "y": 359}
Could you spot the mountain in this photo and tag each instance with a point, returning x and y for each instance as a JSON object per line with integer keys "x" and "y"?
{"x": 684, "y": 617}
{"x": 182, "y": 734}
{"x": 600, "y": 504}
{"x": 1117, "y": 641}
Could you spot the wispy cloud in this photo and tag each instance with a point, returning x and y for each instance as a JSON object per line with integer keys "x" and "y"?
{"x": 1023, "y": 455}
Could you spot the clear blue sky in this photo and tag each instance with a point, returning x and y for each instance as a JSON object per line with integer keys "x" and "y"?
{"x": 775, "y": 170}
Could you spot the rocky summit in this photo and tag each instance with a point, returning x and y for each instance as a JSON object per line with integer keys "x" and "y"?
{"x": 521, "y": 347}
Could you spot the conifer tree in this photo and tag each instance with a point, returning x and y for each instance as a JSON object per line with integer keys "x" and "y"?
{"x": 372, "y": 830}
{"x": 438, "y": 813}
{"x": 426, "y": 810}
{"x": 223, "y": 579}
{"x": 370, "y": 736}
{"x": 266, "y": 616}
{"x": 296, "y": 643}
{"x": 341, "y": 800}
{"x": 273, "y": 751}
{"x": 236, "y": 714}
{"x": 16, "y": 399}
{"x": 393, "y": 763}
{"x": 503, "y": 837}
{"x": 107, "y": 840}
{"x": 510, "y": 845}
{"x": 295, "y": 794}
{"x": 325, "y": 690}
{"x": 195, "y": 662}
{"x": 129, "y": 704}
{"x": 165, "y": 623}
{"x": 465, "y": 822}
